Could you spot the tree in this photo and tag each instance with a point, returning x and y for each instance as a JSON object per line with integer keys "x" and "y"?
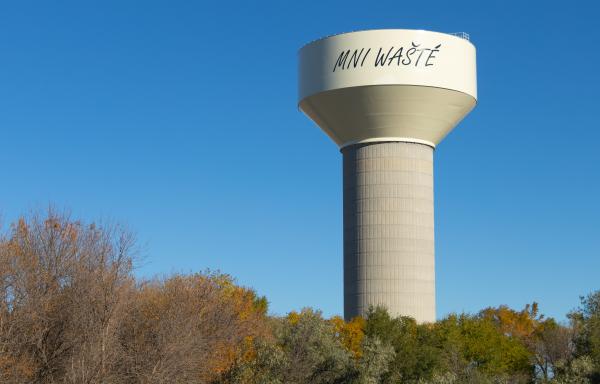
{"x": 187, "y": 329}
{"x": 519, "y": 324}
{"x": 260, "y": 361}
{"x": 473, "y": 346}
{"x": 577, "y": 371}
{"x": 416, "y": 354}
{"x": 63, "y": 285}
{"x": 374, "y": 362}
{"x": 71, "y": 312}
{"x": 314, "y": 352}
{"x": 351, "y": 333}
{"x": 551, "y": 346}
{"x": 548, "y": 342}
{"x": 586, "y": 324}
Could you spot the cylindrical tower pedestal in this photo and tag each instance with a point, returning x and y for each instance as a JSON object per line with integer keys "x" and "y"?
{"x": 389, "y": 229}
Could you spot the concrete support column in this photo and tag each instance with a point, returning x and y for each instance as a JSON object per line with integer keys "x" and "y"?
{"x": 389, "y": 229}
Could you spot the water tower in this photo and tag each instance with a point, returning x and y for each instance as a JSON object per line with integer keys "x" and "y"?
{"x": 387, "y": 98}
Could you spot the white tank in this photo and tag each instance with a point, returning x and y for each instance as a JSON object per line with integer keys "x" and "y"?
{"x": 387, "y": 98}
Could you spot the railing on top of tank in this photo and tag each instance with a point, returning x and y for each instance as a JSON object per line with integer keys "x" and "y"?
{"x": 462, "y": 35}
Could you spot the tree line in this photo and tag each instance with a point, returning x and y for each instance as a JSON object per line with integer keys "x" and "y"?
{"x": 72, "y": 311}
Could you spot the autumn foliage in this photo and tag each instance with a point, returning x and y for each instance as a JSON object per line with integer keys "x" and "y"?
{"x": 72, "y": 311}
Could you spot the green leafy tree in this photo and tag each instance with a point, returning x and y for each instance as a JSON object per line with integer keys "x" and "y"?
{"x": 586, "y": 324}
{"x": 473, "y": 347}
{"x": 416, "y": 353}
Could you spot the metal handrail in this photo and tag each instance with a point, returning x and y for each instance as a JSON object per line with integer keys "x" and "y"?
{"x": 462, "y": 35}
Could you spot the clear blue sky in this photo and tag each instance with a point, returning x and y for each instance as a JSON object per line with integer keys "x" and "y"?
{"x": 179, "y": 119}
